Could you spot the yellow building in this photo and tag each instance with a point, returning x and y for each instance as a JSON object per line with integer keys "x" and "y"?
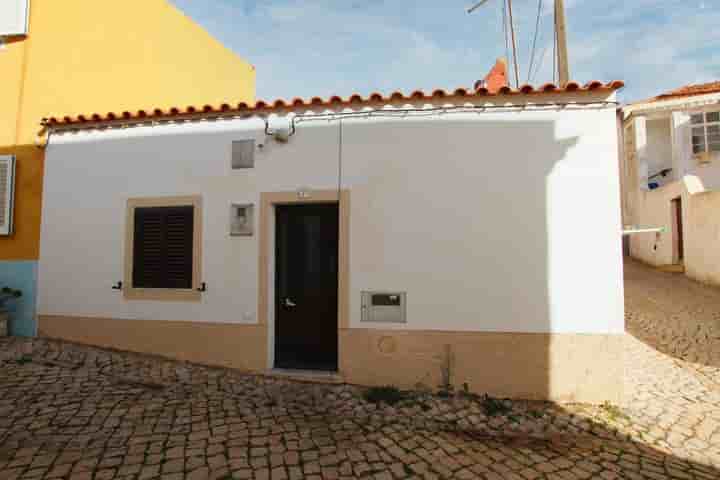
{"x": 77, "y": 56}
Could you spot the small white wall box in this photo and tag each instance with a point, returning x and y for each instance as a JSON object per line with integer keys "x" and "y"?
{"x": 242, "y": 218}
{"x": 14, "y": 17}
{"x": 387, "y": 307}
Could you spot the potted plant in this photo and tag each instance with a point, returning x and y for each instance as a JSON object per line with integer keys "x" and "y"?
{"x": 7, "y": 294}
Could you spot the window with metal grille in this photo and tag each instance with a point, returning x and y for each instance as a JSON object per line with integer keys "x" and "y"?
{"x": 705, "y": 132}
{"x": 163, "y": 247}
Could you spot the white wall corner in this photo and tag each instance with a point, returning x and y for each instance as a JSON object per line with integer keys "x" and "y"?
{"x": 681, "y": 144}
{"x": 14, "y": 15}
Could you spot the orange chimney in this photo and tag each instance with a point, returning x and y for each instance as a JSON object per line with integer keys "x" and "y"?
{"x": 496, "y": 77}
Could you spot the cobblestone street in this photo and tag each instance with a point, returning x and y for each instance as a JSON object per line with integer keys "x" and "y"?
{"x": 68, "y": 411}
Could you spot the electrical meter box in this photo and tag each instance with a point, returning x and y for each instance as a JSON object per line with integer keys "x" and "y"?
{"x": 384, "y": 307}
{"x": 241, "y": 219}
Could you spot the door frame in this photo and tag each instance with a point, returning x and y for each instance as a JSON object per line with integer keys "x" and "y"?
{"x": 266, "y": 256}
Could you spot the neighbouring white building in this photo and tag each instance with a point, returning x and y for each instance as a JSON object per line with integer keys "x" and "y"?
{"x": 670, "y": 172}
{"x": 379, "y": 239}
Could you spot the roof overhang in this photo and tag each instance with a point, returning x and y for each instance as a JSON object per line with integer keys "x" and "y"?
{"x": 671, "y": 104}
{"x": 544, "y": 93}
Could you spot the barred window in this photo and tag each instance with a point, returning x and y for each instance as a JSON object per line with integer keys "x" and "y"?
{"x": 705, "y": 132}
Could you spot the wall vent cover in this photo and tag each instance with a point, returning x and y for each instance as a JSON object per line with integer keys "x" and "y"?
{"x": 243, "y": 154}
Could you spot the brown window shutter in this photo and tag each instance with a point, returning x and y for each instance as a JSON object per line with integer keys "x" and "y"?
{"x": 163, "y": 247}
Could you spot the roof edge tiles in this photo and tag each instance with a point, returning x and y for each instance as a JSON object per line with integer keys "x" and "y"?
{"x": 353, "y": 100}
{"x": 692, "y": 90}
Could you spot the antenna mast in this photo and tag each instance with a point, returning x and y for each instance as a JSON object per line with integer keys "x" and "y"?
{"x": 562, "y": 50}
{"x": 560, "y": 37}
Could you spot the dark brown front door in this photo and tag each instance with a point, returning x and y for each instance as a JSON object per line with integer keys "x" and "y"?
{"x": 679, "y": 245}
{"x": 306, "y": 286}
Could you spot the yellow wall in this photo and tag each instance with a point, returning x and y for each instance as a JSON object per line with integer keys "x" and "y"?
{"x": 11, "y": 66}
{"x": 86, "y": 56}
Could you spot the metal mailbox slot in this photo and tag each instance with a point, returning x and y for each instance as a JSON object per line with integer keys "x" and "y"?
{"x": 387, "y": 307}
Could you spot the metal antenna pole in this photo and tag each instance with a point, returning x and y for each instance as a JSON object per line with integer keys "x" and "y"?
{"x": 508, "y": 4}
{"x": 562, "y": 49}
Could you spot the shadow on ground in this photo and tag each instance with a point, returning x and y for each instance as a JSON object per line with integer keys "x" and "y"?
{"x": 77, "y": 412}
{"x": 673, "y": 314}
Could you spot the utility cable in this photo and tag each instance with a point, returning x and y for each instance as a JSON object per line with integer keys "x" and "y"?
{"x": 340, "y": 157}
{"x": 514, "y": 45}
{"x": 535, "y": 38}
{"x": 554, "y": 42}
{"x": 539, "y": 64}
{"x": 505, "y": 30}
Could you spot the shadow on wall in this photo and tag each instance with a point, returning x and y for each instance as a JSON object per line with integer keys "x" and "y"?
{"x": 476, "y": 231}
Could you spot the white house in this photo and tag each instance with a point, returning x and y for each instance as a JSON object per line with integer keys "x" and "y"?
{"x": 380, "y": 239}
{"x": 671, "y": 177}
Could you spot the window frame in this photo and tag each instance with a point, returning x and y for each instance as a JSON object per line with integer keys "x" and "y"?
{"x": 9, "y": 196}
{"x": 192, "y": 294}
{"x": 704, "y": 125}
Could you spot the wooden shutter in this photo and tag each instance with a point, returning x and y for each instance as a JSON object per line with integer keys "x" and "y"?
{"x": 7, "y": 184}
{"x": 163, "y": 247}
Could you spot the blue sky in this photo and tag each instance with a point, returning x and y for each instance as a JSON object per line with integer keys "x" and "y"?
{"x": 325, "y": 47}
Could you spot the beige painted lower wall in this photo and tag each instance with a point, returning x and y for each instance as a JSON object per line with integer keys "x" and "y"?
{"x": 229, "y": 345}
{"x": 701, "y": 229}
{"x": 561, "y": 367}
{"x": 702, "y": 237}
{"x": 653, "y": 208}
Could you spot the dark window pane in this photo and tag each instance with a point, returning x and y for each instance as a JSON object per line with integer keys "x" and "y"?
{"x": 163, "y": 247}
{"x": 697, "y": 118}
{"x": 713, "y": 116}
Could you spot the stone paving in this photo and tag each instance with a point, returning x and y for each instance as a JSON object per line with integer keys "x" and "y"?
{"x": 69, "y": 411}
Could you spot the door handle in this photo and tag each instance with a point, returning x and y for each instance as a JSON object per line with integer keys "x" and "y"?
{"x": 288, "y": 303}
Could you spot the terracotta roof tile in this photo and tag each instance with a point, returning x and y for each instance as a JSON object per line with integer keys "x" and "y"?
{"x": 686, "y": 91}
{"x": 279, "y": 104}
{"x": 701, "y": 89}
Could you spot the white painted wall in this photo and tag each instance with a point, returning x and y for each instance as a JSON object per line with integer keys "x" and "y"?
{"x": 496, "y": 221}
{"x": 696, "y": 184}
{"x": 660, "y": 149}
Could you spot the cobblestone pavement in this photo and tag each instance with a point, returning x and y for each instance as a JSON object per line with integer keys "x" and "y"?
{"x": 68, "y": 411}
{"x": 673, "y": 362}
